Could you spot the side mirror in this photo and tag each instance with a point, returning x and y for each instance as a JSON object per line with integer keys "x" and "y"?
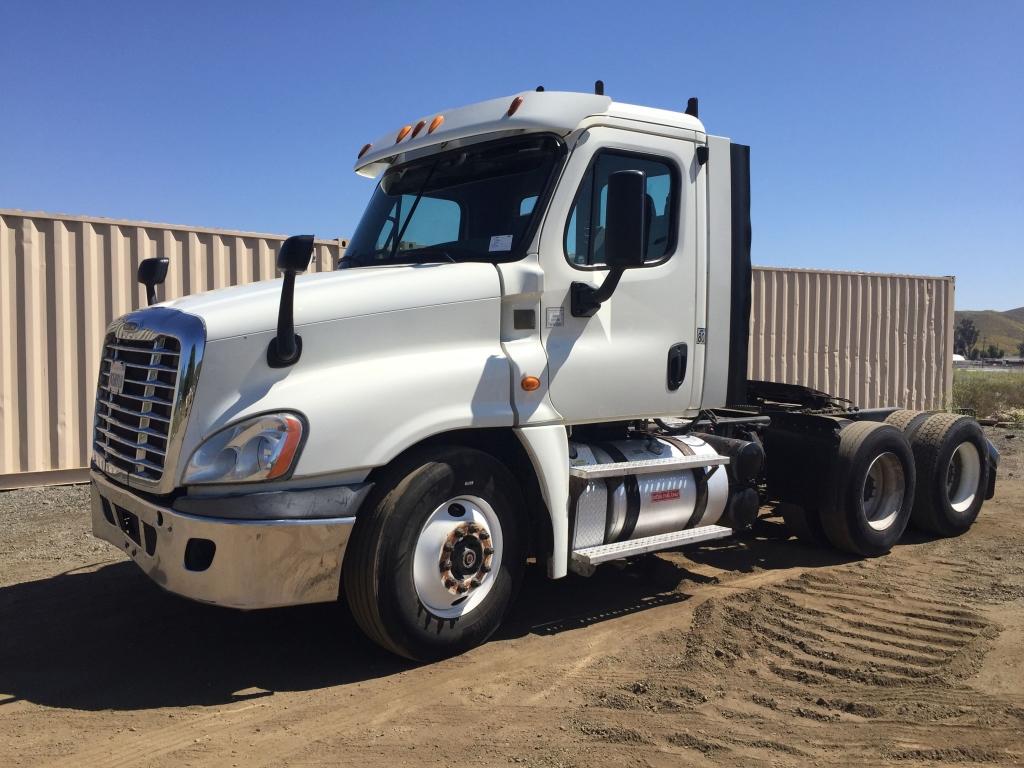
{"x": 625, "y": 236}
{"x": 294, "y": 256}
{"x": 625, "y": 225}
{"x": 295, "y": 253}
{"x": 151, "y": 273}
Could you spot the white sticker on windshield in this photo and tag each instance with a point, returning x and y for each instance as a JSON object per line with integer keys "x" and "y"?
{"x": 501, "y": 243}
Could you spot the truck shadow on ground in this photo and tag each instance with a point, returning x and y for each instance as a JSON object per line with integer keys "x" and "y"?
{"x": 108, "y": 638}
{"x": 624, "y": 587}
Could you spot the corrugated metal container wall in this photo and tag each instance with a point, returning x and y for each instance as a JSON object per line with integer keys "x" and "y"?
{"x": 62, "y": 280}
{"x": 874, "y": 339}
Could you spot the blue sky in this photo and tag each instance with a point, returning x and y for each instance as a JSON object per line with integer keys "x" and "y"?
{"x": 886, "y": 136}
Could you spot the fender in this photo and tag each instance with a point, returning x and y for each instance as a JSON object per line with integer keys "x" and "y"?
{"x": 548, "y": 449}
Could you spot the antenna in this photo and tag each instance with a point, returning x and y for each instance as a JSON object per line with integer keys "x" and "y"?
{"x": 691, "y": 106}
{"x": 599, "y": 87}
{"x": 540, "y": 88}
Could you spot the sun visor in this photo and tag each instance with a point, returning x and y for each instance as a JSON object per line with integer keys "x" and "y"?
{"x": 529, "y": 111}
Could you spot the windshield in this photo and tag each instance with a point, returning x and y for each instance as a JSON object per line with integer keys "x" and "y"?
{"x": 472, "y": 204}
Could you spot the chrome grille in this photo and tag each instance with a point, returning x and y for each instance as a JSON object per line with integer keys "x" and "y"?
{"x": 135, "y": 402}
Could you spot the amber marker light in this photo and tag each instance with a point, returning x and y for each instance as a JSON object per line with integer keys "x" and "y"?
{"x": 435, "y": 123}
{"x": 530, "y": 383}
{"x": 419, "y": 127}
{"x": 366, "y": 148}
{"x": 284, "y": 459}
{"x": 403, "y": 133}
{"x": 517, "y": 102}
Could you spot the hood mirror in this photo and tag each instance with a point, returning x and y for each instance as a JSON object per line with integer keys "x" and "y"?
{"x": 294, "y": 256}
{"x": 151, "y": 273}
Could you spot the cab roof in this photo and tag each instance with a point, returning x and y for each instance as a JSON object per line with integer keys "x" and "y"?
{"x": 558, "y": 112}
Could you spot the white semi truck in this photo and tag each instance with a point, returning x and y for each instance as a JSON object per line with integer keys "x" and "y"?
{"x": 534, "y": 347}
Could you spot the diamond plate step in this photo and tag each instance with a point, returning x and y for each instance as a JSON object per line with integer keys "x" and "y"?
{"x": 621, "y": 549}
{"x": 645, "y": 466}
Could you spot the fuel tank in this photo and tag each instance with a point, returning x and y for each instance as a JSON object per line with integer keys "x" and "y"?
{"x": 635, "y": 506}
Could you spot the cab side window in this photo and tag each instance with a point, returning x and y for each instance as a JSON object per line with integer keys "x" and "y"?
{"x": 584, "y": 232}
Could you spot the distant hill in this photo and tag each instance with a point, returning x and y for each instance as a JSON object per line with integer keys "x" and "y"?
{"x": 1017, "y": 314}
{"x": 1004, "y": 329}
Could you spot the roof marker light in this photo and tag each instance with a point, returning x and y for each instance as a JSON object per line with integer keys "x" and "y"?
{"x": 403, "y": 133}
{"x": 516, "y": 103}
{"x": 366, "y": 148}
{"x": 435, "y": 123}
{"x": 419, "y": 127}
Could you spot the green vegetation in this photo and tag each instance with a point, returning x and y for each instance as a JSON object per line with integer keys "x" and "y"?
{"x": 990, "y": 394}
{"x": 1002, "y": 330}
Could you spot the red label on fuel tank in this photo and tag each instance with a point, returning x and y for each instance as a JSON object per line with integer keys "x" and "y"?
{"x": 665, "y": 495}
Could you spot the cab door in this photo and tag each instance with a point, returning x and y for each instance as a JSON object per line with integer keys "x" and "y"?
{"x": 635, "y": 356}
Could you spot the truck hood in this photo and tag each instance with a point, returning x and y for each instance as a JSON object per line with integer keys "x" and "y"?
{"x": 346, "y": 293}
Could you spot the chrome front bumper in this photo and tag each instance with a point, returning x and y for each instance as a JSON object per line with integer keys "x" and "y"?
{"x": 236, "y": 563}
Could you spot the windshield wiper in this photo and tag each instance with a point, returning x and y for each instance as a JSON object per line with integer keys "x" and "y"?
{"x": 429, "y": 254}
{"x": 412, "y": 210}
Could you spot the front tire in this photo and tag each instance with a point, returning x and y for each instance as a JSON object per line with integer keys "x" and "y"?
{"x": 871, "y": 489}
{"x": 435, "y": 561}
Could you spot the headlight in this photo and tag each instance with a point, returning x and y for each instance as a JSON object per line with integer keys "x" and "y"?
{"x": 261, "y": 448}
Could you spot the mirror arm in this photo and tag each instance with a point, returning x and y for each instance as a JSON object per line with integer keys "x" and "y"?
{"x": 285, "y": 348}
{"x": 585, "y": 299}
{"x": 293, "y": 257}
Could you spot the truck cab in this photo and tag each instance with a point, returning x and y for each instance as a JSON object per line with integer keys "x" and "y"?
{"x": 534, "y": 347}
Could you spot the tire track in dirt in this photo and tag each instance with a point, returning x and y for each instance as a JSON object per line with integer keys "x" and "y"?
{"x": 862, "y": 662}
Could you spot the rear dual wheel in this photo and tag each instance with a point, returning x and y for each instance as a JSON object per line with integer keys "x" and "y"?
{"x": 908, "y": 422}
{"x": 874, "y": 490}
{"x": 951, "y": 454}
{"x": 871, "y": 489}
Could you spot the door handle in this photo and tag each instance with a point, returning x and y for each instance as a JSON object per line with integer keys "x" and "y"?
{"x": 677, "y": 355}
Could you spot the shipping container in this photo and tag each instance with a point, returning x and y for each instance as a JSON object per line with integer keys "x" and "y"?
{"x": 874, "y": 339}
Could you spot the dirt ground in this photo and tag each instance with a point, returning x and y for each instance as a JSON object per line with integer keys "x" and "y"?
{"x": 751, "y": 652}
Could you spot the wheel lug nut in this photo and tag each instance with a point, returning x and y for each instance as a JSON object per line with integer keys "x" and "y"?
{"x": 489, "y": 551}
{"x": 446, "y": 566}
{"x": 484, "y": 535}
{"x": 461, "y": 589}
{"x": 447, "y": 548}
{"x": 449, "y": 583}
{"x": 475, "y": 583}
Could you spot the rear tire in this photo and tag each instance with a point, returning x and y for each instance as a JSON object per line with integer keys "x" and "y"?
{"x": 435, "y": 560}
{"x": 951, "y": 455}
{"x": 908, "y": 422}
{"x": 871, "y": 489}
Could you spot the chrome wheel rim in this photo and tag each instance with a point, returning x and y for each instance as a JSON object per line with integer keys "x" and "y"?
{"x": 963, "y": 473}
{"x": 883, "y": 490}
{"x": 458, "y": 552}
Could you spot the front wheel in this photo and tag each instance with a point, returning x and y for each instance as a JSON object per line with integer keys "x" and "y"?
{"x": 435, "y": 561}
